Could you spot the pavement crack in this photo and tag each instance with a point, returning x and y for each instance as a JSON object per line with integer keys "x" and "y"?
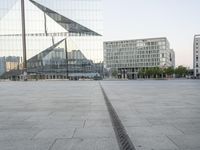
{"x": 74, "y": 132}
{"x": 33, "y": 137}
{"x": 84, "y": 123}
{"x": 51, "y": 146}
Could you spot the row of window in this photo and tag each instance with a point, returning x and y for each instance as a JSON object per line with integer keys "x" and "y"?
{"x": 111, "y": 57}
{"x": 132, "y": 52}
{"x": 134, "y": 47}
{"x": 133, "y": 65}
{"x": 132, "y": 60}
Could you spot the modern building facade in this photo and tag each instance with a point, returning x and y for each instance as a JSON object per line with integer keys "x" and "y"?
{"x": 129, "y": 56}
{"x": 196, "y": 56}
{"x": 53, "y": 28}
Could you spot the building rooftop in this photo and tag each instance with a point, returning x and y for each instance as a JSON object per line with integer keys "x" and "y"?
{"x": 137, "y": 39}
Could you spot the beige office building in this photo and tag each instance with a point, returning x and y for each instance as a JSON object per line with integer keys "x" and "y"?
{"x": 129, "y": 56}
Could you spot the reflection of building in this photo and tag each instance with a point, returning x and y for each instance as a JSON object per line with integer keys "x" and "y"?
{"x": 52, "y": 61}
{"x": 2, "y": 65}
{"x": 12, "y": 63}
{"x": 196, "y": 56}
{"x": 129, "y": 56}
{"x": 9, "y": 63}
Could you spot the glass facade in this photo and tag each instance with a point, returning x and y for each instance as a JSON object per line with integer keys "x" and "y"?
{"x": 62, "y": 36}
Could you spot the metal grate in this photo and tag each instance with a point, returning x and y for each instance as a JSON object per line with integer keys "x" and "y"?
{"x": 123, "y": 139}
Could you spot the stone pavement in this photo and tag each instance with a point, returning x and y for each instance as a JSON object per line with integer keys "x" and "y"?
{"x": 158, "y": 115}
{"x": 72, "y": 115}
{"x": 54, "y": 115}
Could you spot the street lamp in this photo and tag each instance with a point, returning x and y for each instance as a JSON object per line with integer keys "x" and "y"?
{"x": 24, "y": 40}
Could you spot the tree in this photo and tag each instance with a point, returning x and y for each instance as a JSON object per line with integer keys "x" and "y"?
{"x": 181, "y": 71}
{"x": 114, "y": 73}
{"x": 169, "y": 71}
{"x": 149, "y": 72}
{"x": 157, "y": 72}
{"x": 141, "y": 73}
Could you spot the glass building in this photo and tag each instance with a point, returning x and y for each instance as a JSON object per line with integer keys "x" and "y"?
{"x": 63, "y": 38}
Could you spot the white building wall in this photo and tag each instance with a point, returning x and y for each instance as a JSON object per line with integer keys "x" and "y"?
{"x": 196, "y": 56}
{"x": 141, "y": 53}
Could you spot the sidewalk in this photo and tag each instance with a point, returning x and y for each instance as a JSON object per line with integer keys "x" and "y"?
{"x": 54, "y": 115}
{"x": 72, "y": 115}
{"x": 158, "y": 115}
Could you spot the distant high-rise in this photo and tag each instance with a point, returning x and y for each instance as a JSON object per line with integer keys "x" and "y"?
{"x": 130, "y": 56}
{"x": 196, "y": 55}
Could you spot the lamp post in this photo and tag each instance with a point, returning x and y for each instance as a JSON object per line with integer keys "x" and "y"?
{"x": 66, "y": 52}
{"x": 24, "y": 40}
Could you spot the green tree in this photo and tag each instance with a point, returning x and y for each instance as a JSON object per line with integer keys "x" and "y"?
{"x": 181, "y": 71}
{"x": 149, "y": 72}
{"x": 141, "y": 73}
{"x": 114, "y": 73}
{"x": 169, "y": 71}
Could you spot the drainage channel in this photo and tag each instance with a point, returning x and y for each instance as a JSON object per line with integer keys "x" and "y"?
{"x": 123, "y": 139}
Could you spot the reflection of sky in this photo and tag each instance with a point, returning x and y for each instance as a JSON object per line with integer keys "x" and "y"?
{"x": 87, "y": 13}
{"x": 5, "y": 6}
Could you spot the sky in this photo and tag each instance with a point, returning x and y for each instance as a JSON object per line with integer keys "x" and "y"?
{"x": 178, "y": 20}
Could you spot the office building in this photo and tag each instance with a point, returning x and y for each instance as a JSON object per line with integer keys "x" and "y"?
{"x": 129, "y": 56}
{"x": 196, "y": 56}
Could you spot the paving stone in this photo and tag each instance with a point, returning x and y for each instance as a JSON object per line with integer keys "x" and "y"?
{"x": 20, "y": 134}
{"x": 98, "y": 123}
{"x": 187, "y": 141}
{"x": 95, "y": 132}
{"x": 55, "y": 133}
{"x": 154, "y": 143}
{"x": 26, "y": 144}
{"x": 86, "y": 144}
{"x": 153, "y": 131}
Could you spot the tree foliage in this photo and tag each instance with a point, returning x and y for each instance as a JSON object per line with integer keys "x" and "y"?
{"x": 114, "y": 73}
{"x": 181, "y": 71}
{"x": 157, "y": 72}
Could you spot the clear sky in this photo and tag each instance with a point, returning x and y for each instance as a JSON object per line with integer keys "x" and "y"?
{"x": 178, "y": 20}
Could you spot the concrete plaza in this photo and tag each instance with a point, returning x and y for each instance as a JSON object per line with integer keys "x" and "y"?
{"x": 72, "y": 115}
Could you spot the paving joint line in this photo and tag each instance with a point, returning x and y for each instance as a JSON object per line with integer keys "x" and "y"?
{"x": 172, "y": 141}
{"x": 124, "y": 141}
{"x": 74, "y": 132}
{"x": 51, "y": 146}
{"x": 84, "y": 123}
